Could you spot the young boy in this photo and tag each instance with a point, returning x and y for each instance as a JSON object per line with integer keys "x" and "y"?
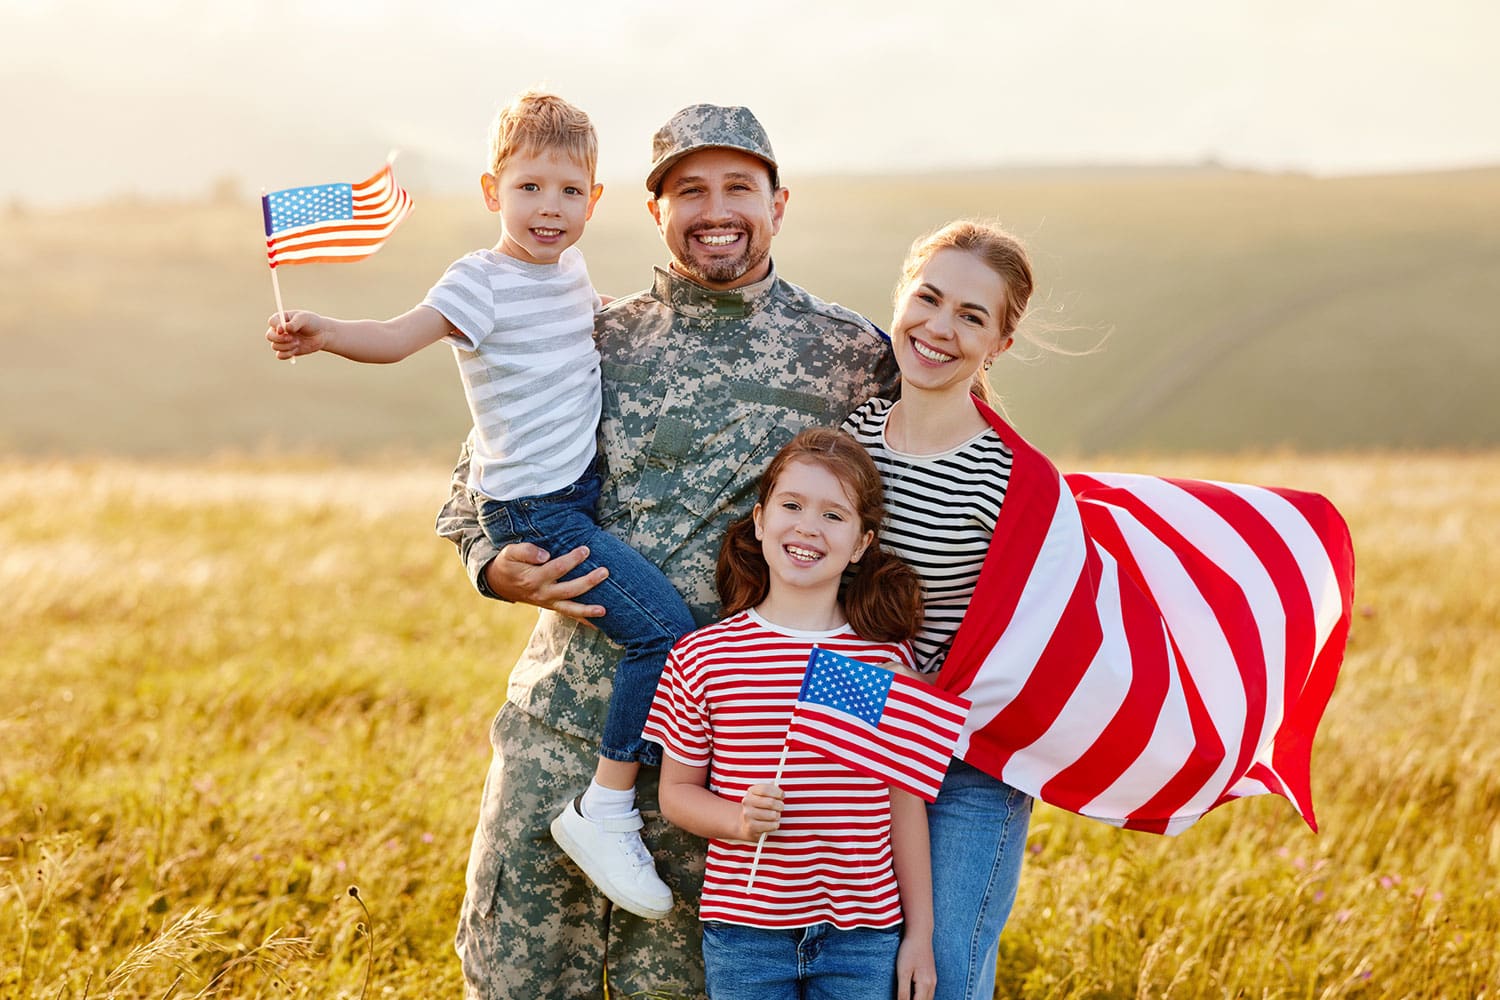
{"x": 520, "y": 319}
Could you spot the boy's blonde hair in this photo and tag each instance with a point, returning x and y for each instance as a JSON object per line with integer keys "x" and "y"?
{"x": 537, "y": 122}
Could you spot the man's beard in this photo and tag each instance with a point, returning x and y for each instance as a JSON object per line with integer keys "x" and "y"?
{"x": 721, "y": 270}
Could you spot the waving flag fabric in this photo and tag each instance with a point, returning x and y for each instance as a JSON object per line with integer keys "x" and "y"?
{"x": 333, "y": 223}
{"x": 1141, "y": 650}
{"x": 880, "y": 723}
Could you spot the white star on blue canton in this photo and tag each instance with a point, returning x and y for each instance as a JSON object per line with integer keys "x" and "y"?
{"x": 846, "y": 685}
{"x": 306, "y": 205}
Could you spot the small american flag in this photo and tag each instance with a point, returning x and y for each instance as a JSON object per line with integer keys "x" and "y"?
{"x": 878, "y": 722}
{"x": 333, "y": 223}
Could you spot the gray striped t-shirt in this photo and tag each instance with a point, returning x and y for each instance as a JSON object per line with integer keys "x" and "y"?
{"x": 524, "y": 341}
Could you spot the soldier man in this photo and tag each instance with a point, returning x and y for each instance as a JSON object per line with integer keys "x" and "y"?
{"x": 706, "y": 375}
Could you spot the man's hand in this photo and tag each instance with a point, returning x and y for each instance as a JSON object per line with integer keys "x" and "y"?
{"x": 760, "y": 811}
{"x": 524, "y": 573}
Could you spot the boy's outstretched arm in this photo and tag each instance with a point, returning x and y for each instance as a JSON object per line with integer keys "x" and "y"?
{"x": 373, "y": 341}
{"x": 916, "y": 968}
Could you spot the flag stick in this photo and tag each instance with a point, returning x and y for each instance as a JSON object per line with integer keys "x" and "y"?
{"x": 281, "y": 309}
{"x": 761, "y": 843}
{"x": 275, "y": 284}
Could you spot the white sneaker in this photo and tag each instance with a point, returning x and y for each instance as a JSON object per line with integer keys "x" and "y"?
{"x": 611, "y": 854}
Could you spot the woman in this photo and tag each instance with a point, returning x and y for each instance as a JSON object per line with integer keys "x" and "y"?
{"x": 961, "y": 295}
{"x": 1137, "y": 650}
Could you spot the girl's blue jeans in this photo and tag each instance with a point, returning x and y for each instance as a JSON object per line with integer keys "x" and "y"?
{"x": 642, "y": 611}
{"x": 820, "y": 962}
{"x": 977, "y": 828}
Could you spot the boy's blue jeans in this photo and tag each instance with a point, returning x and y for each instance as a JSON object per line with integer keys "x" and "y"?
{"x": 977, "y": 828}
{"x": 819, "y": 962}
{"x": 642, "y": 611}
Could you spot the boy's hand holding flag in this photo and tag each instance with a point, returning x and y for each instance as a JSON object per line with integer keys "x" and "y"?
{"x": 331, "y": 223}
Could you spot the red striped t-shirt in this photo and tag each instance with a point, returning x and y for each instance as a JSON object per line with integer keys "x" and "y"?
{"x": 724, "y": 702}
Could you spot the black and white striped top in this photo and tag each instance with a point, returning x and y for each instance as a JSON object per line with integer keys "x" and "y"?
{"x": 940, "y": 515}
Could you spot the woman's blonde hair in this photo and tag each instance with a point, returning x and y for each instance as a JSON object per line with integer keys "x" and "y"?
{"x": 1000, "y": 252}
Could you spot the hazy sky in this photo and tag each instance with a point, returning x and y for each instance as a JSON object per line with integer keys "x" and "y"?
{"x": 163, "y": 97}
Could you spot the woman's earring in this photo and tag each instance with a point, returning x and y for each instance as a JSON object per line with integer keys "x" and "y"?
{"x": 988, "y": 362}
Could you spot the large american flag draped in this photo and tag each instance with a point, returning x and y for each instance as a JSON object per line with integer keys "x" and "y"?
{"x": 880, "y": 723}
{"x": 333, "y": 223}
{"x": 1140, "y": 650}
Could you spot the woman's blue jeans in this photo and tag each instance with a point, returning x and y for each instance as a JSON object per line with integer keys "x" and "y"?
{"x": 978, "y": 831}
{"x": 642, "y": 610}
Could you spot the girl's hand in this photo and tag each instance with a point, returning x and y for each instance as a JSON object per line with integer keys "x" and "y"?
{"x": 916, "y": 969}
{"x": 760, "y": 811}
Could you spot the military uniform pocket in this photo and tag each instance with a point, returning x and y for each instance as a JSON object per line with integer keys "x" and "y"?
{"x": 708, "y": 451}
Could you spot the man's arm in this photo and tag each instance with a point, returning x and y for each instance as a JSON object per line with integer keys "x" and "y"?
{"x": 520, "y": 572}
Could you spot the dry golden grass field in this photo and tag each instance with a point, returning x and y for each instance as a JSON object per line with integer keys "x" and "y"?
{"x": 234, "y": 688}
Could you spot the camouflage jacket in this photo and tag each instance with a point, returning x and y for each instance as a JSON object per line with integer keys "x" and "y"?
{"x": 701, "y": 388}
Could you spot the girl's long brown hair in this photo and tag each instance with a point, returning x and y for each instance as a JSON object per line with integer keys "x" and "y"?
{"x": 881, "y": 595}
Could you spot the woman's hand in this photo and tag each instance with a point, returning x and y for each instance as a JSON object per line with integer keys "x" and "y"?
{"x": 897, "y": 667}
{"x": 760, "y": 811}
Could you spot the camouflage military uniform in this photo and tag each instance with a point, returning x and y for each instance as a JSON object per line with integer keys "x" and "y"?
{"x": 701, "y": 388}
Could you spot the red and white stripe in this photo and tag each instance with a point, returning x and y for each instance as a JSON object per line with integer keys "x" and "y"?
{"x": 1140, "y": 650}
{"x": 379, "y": 206}
{"x": 724, "y": 702}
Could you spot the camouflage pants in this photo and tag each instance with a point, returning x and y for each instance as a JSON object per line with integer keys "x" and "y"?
{"x": 532, "y": 925}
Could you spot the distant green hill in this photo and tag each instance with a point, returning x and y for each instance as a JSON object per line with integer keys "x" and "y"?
{"x": 1243, "y": 311}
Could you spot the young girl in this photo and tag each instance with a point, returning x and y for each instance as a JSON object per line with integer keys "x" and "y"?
{"x": 844, "y": 857}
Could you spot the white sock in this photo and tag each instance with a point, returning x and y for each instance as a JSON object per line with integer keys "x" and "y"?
{"x": 599, "y": 802}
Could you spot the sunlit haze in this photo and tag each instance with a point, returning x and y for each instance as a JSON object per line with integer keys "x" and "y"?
{"x": 166, "y": 98}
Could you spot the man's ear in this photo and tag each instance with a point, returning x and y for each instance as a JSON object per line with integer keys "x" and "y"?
{"x": 654, "y": 209}
{"x": 778, "y": 208}
{"x": 490, "y": 185}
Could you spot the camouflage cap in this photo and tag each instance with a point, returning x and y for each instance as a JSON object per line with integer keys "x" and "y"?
{"x": 707, "y": 126}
